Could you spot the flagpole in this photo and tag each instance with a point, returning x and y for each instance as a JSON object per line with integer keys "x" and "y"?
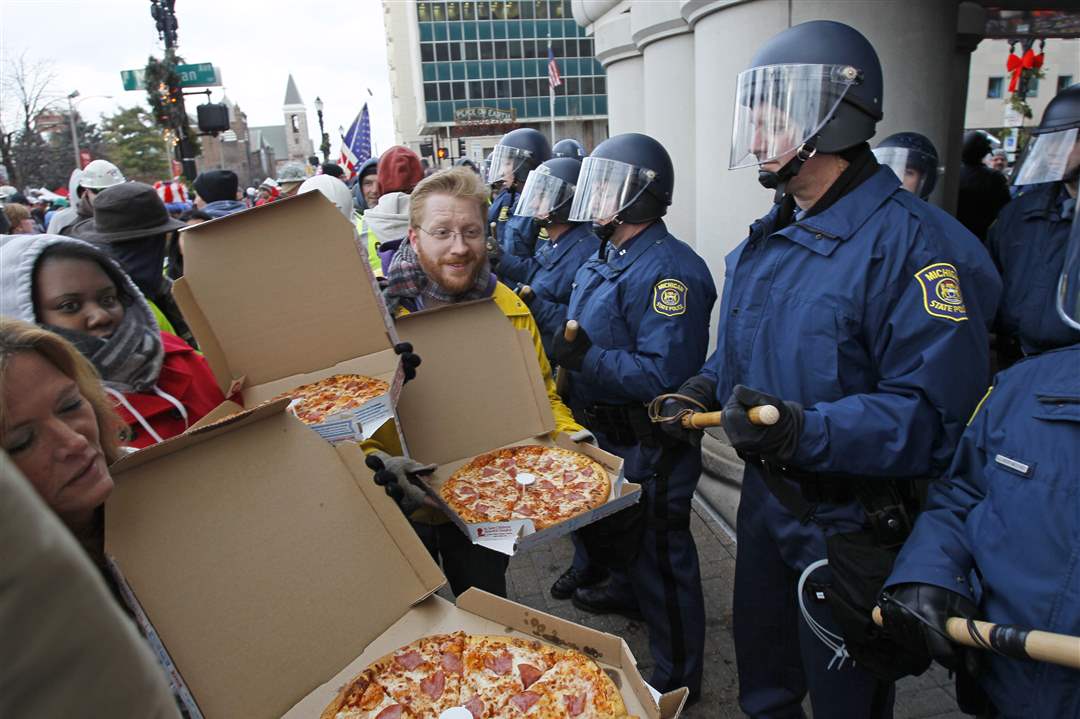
{"x": 551, "y": 95}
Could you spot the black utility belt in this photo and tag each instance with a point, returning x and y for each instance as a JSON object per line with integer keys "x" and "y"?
{"x": 623, "y": 424}
{"x": 889, "y": 504}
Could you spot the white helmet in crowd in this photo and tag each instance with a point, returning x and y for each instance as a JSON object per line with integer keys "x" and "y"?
{"x": 6, "y": 192}
{"x": 334, "y": 190}
{"x": 100, "y": 174}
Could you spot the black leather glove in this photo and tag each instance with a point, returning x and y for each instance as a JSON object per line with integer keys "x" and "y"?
{"x": 702, "y": 390}
{"x": 409, "y": 359}
{"x": 399, "y": 477}
{"x": 902, "y": 605}
{"x": 494, "y": 249}
{"x": 778, "y": 441}
{"x": 528, "y": 297}
{"x": 571, "y": 355}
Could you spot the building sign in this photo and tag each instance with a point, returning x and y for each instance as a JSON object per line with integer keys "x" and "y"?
{"x": 483, "y": 116}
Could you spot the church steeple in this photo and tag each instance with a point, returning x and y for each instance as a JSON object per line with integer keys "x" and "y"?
{"x": 297, "y": 139}
{"x": 292, "y": 95}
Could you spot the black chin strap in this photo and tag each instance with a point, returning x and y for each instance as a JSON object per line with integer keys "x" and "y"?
{"x": 778, "y": 180}
{"x": 604, "y": 232}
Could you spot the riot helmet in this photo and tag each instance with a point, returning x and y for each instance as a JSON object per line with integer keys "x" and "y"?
{"x": 1053, "y": 153}
{"x": 549, "y": 191}
{"x": 568, "y": 148}
{"x": 518, "y": 153}
{"x": 1068, "y": 294}
{"x": 627, "y": 178}
{"x": 913, "y": 158}
{"x": 815, "y": 87}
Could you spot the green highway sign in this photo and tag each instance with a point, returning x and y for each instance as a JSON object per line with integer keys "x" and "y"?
{"x": 202, "y": 74}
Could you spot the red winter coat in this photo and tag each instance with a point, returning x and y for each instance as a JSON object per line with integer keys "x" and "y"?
{"x": 184, "y": 376}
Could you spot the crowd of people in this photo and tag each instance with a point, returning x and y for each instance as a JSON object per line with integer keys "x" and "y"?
{"x": 900, "y": 473}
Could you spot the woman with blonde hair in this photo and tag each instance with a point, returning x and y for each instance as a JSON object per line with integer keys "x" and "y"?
{"x": 58, "y": 427}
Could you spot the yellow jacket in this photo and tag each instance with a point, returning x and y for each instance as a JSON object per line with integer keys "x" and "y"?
{"x": 386, "y": 437}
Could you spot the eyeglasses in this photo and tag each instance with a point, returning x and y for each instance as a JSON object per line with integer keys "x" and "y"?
{"x": 469, "y": 234}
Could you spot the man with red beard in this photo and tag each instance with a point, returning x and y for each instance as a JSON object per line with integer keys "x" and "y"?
{"x": 445, "y": 261}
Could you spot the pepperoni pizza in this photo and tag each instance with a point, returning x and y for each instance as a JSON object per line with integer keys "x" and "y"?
{"x": 488, "y": 676}
{"x": 561, "y": 484}
{"x": 316, "y": 401}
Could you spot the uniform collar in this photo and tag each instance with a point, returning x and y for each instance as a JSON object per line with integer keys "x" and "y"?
{"x": 821, "y": 233}
{"x": 1049, "y": 202}
{"x": 619, "y": 258}
{"x": 568, "y": 239}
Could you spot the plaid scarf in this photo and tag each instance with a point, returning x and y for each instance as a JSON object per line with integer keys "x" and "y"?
{"x": 409, "y": 286}
{"x": 128, "y": 360}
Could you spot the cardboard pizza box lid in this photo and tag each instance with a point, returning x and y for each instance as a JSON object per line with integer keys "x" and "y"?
{"x": 254, "y": 547}
{"x": 282, "y": 290}
{"x": 479, "y": 386}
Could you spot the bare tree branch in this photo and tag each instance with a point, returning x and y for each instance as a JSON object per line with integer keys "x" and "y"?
{"x": 28, "y": 86}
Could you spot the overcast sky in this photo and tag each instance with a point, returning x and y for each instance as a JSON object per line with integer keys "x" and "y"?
{"x": 335, "y": 49}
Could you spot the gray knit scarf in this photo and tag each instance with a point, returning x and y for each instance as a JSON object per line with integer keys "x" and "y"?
{"x": 128, "y": 360}
{"x": 408, "y": 286}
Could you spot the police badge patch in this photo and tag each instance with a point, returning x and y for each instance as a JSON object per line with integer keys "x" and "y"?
{"x": 504, "y": 213}
{"x": 669, "y": 298}
{"x": 940, "y": 285}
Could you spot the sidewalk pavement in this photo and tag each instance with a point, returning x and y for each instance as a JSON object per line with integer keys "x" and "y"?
{"x": 532, "y": 573}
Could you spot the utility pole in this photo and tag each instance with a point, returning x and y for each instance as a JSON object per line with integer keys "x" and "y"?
{"x": 74, "y": 132}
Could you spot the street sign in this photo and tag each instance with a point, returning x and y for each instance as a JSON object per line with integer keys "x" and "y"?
{"x": 202, "y": 74}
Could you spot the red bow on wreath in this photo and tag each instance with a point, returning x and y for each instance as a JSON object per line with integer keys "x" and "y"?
{"x": 1016, "y": 65}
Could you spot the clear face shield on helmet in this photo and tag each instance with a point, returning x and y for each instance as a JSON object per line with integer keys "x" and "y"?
{"x": 605, "y": 188}
{"x": 543, "y": 194}
{"x": 505, "y": 161}
{"x": 1068, "y": 294}
{"x": 913, "y": 167}
{"x": 1050, "y": 157}
{"x": 779, "y": 107}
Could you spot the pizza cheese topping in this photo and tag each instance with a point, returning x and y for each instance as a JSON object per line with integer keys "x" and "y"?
{"x": 315, "y": 402}
{"x": 565, "y": 484}
{"x": 490, "y": 676}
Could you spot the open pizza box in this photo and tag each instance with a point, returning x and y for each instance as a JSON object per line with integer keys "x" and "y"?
{"x": 266, "y": 567}
{"x": 480, "y": 389}
{"x": 279, "y": 296}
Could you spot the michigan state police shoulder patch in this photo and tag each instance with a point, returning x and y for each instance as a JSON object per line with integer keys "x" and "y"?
{"x": 669, "y": 298}
{"x": 940, "y": 285}
{"x": 504, "y": 213}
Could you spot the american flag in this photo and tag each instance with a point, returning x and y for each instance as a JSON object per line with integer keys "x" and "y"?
{"x": 356, "y": 144}
{"x": 553, "y": 70}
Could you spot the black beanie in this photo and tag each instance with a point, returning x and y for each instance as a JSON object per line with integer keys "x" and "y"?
{"x": 214, "y": 185}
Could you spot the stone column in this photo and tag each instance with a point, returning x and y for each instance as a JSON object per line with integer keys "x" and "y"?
{"x": 623, "y": 62}
{"x": 667, "y": 48}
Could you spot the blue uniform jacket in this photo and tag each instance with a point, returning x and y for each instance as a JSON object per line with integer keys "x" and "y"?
{"x": 555, "y": 265}
{"x": 1028, "y": 244}
{"x": 501, "y": 210}
{"x": 1009, "y": 509}
{"x": 645, "y": 306}
{"x": 519, "y": 242}
{"x": 868, "y": 316}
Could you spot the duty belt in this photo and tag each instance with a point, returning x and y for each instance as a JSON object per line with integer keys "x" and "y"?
{"x": 622, "y": 424}
{"x": 889, "y": 504}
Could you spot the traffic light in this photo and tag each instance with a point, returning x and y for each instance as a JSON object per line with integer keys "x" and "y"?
{"x": 461, "y": 147}
{"x": 442, "y": 153}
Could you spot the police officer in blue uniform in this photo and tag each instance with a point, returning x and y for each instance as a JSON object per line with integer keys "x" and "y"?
{"x": 851, "y": 308}
{"x": 1028, "y": 239}
{"x": 518, "y": 153}
{"x": 999, "y": 535}
{"x": 913, "y": 158}
{"x": 643, "y": 303}
{"x": 569, "y": 148}
{"x": 549, "y": 272}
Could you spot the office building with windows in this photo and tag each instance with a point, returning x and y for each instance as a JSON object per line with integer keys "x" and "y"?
{"x": 462, "y": 73}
